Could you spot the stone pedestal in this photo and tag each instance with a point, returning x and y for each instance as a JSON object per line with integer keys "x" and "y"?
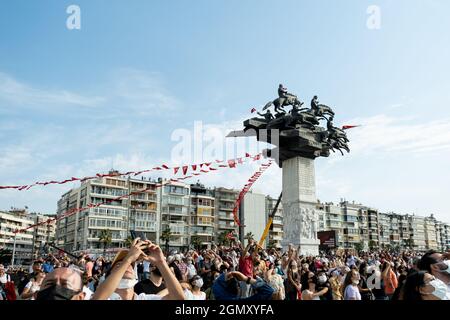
{"x": 300, "y": 217}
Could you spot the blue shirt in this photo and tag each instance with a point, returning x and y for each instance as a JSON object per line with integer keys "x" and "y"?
{"x": 263, "y": 290}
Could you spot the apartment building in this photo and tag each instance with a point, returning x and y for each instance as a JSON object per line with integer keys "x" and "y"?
{"x": 29, "y": 243}
{"x": 253, "y": 216}
{"x": 202, "y": 215}
{"x": 194, "y": 213}
{"x": 175, "y": 214}
{"x": 224, "y": 201}
{"x": 85, "y": 230}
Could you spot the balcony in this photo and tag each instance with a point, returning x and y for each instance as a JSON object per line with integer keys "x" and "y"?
{"x": 226, "y": 217}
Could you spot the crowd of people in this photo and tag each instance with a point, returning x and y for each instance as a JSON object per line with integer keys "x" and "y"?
{"x": 232, "y": 272}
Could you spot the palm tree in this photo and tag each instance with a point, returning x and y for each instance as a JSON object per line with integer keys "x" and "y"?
{"x": 359, "y": 246}
{"x": 106, "y": 238}
{"x": 223, "y": 239}
{"x": 196, "y": 242}
{"x": 249, "y": 236}
{"x": 166, "y": 235}
{"x": 272, "y": 243}
{"x": 128, "y": 241}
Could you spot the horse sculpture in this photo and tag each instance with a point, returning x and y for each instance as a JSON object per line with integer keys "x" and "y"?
{"x": 280, "y": 103}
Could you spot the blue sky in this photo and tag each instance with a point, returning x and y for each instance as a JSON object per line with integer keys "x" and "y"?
{"x": 75, "y": 102}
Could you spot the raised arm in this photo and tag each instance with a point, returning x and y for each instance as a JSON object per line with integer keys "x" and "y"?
{"x": 156, "y": 257}
{"x": 108, "y": 286}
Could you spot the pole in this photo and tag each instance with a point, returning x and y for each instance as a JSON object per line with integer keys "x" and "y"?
{"x": 14, "y": 251}
{"x": 269, "y": 222}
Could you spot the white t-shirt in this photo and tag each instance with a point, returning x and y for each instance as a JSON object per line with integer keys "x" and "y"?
{"x": 190, "y": 296}
{"x": 5, "y": 278}
{"x": 308, "y": 292}
{"x": 87, "y": 293}
{"x": 352, "y": 293}
{"x": 141, "y": 296}
{"x": 33, "y": 287}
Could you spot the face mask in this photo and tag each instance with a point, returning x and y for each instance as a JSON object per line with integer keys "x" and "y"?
{"x": 126, "y": 283}
{"x": 355, "y": 282}
{"x": 322, "y": 279}
{"x": 56, "y": 292}
{"x": 440, "y": 289}
{"x": 198, "y": 283}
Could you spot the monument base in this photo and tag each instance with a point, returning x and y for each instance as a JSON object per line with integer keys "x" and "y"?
{"x": 300, "y": 217}
{"x": 307, "y": 247}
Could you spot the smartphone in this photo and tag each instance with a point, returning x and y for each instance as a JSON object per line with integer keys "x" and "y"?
{"x": 138, "y": 234}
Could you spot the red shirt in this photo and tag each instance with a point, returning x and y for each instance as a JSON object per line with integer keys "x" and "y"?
{"x": 246, "y": 266}
{"x": 89, "y": 265}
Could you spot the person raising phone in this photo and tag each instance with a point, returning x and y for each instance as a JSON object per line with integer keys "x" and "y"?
{"x": 119, "y": 284}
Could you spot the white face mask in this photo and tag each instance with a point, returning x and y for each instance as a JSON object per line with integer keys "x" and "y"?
{"x": 322, "y": 279}
{"x": 440, "y": 289}
{"x": 198, "y": 283}
{"x": 127, "y": 283}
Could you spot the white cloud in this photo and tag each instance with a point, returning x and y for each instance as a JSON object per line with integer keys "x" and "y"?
{"x": 385, "y": 134}
{"x": 13, "y": 91}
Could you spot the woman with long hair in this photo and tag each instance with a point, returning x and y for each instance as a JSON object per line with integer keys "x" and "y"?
{"x": 351, "y": 291}
{"x": 293, "y": 286}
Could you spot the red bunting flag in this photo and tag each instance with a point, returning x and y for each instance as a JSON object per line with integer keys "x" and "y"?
{"x": 185, "y": 169}
{"x": 194, "y": 167}
{"x": 231, "y": 163}
{"x": 165, "y": 167}
{"x": 253, "y": 110}
{"x": 349, "y": 127}
{"x": 175, "y": 170}
{"x": 247, "y": 155}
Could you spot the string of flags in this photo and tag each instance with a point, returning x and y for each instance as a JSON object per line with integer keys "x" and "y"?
{"x": 231, "y": 164}
{"x": 196, "y": 168}
{"x": 247, "y": 187}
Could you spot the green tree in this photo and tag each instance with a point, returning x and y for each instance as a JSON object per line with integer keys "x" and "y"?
{"x": 222, "y": 238}
{"x": 407, "y": 243}
{"x": 249, "y": 236}
{"x": 166, "y": 236}
{"x": 105, "y": 238}
{"x": 372, "y": 244}
{"x": 272, "y": 244}
{"x": 196, "y": 242}
{"x": 359, "y": 246}
{"x": 128, "y": 241}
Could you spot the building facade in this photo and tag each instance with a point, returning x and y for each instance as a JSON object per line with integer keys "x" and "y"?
{"x": 88, "y": 230}
{"x": 28, "y": 244}
{"x": 202, "y": 215}
{"x": 180, "y": 215}
{"x": 175, "y": 215}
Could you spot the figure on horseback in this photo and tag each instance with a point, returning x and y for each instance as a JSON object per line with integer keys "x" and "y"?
{"x": 284, "y": 99}
{"x": 321, "y": 111}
